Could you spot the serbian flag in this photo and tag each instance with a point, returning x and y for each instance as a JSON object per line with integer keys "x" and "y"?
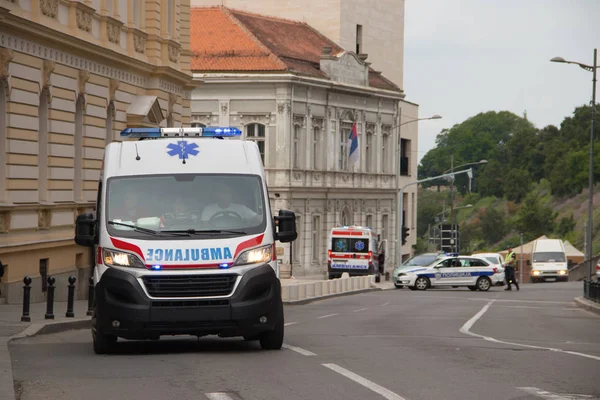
{"x": 353, "y": 147}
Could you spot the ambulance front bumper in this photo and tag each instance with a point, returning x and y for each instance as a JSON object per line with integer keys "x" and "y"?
{"x": 124, "y": 309}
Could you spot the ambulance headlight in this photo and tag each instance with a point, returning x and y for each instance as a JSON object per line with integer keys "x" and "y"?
{"x": 257, "y": 255}
{"x": 536, "y": 273}
{"x": 114, "y": 258}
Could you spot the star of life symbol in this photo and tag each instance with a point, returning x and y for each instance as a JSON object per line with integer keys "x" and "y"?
{"x": 183, "y": 149}
{"x": 359, "y": 245}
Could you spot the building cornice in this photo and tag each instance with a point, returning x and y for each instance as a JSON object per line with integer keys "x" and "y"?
{"x": 19, "y": 28}
{"x": 292, "y": 78}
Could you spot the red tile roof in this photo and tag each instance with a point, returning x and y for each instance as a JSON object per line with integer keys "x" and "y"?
{"x": 230, "y": 40}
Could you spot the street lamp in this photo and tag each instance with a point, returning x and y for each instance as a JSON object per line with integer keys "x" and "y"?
{"x": 398, "y": 168}
{"x": 590, "y": 227}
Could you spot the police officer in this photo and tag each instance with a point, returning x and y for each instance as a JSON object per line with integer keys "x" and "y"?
{"x": 509, "y": 270}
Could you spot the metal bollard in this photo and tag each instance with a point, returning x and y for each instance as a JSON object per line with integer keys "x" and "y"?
{"x": 91, "y": 297}
{"x": 26, "y": 299}
{"x": 70, "y": 297}
{"x": 50, "y": 299}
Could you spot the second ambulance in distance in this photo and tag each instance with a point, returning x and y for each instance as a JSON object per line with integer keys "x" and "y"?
{"x": 185, "y": 239}
{"x": 353, "y": 249}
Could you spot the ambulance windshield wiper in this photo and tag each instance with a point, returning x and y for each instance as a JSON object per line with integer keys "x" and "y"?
{"x": 148, "y": 231}
{"x": 210, "y": 231}
{"x": 135, "y": 228}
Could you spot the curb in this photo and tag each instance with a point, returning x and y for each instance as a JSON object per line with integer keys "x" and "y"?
{"x": 6, "y": 374}
{"x": 330, "y": 296}
{"x": 587, "y": 305}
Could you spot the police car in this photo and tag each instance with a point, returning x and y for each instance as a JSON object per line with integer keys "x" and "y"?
{"x": 185, "y": 239}
{"x": 455, "y": 271}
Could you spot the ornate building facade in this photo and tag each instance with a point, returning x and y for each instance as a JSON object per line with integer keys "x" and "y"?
{"x": 73, "y": 74}
{"x": 297, "y": 94}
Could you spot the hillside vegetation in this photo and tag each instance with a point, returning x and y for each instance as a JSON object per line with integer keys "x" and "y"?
{"x": 535, "y": 181}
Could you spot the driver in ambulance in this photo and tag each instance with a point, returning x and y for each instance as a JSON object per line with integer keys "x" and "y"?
{"x": 223, "y": 206}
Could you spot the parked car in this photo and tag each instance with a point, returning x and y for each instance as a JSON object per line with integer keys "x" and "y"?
{"x": 420, "y": 260}
{"x": 497, "y": 261}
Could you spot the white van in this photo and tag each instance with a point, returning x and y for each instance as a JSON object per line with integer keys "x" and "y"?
{"x": 184, "y": 239}
{"x": 548, "y": 261}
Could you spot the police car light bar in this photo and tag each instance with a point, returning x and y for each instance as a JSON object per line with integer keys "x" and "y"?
{"x": 208, "y": 131}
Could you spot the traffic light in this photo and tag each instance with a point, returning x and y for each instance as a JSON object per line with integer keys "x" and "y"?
{"x": 405, "y": 233}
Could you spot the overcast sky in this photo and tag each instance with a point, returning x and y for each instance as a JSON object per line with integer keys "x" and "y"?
{"x": 463, "y": 57}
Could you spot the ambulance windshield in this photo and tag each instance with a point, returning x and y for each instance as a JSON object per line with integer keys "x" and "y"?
{"x": 192, "y": 204}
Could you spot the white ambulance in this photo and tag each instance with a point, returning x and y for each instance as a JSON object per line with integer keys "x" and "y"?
{"x": 184, "y": 239}
{"x": 353, "y": 249}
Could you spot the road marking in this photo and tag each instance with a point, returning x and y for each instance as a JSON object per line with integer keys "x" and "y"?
{"x": 327, "y": 316}
{"x": 289, "y": 323}
{"x": 364, "y": 382}
{"x": 539, "y": 307}
{"x": 385, "y": 304}
{"x": 219, "y": 396}
{"x": 554, "y": 396}
{"x": 361, "y": 309}
{"x": 299, "y": 350}
{"x": 521, "y": 301}
{"x": 469, "y": 324}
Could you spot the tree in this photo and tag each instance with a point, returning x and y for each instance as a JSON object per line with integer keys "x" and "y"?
{"x": 492, "y": 225}
{"x": 565, "y": 225}
{"x": 534, "y": 218}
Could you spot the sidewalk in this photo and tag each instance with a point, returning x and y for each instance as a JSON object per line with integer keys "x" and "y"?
{"x": 588, "y": 305}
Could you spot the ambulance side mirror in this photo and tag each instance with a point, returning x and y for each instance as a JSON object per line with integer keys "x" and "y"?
{"x": 85, "y": 228}
{"x": 286, "y": 226}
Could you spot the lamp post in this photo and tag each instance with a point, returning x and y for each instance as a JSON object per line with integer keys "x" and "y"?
{"x": 398, "y": 199}
{"x": 401, "y": 216}
{"x": 452, "y": 167}
{"x": 590, "y": 227}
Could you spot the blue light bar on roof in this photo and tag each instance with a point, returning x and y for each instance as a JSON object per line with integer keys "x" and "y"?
{"x": 176, "y": 132}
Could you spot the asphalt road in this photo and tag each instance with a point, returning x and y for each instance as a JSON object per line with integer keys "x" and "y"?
{"x": 398, "y": 344}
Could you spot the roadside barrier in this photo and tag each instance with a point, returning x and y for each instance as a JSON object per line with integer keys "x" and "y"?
{"x": 90, "y": 296}
{"x": 70, "y": 297}
{"x": 26, "y": 299}
{"x": 50, "y": 299}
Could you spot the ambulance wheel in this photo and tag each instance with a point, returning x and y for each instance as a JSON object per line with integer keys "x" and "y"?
{"x": 273, "y": 340}
{"x": 398, "y": 286}
{"x": 422, "y": 283}
{"x": 103, "y": 344}
{"x": 484, "y": 284}
{"x": 472, "y": 288}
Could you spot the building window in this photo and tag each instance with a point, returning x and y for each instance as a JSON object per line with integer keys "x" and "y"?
{"x": 344, "y": 135}
{"x": 198, "y": 125}
{"x": 78, "y": 145}
{"x": 384, "y": 153}
{"x": 3, "y": 143}
{"x": 316, "y": 148}
{"x": 256, "y": 133}
{"x": 404, "y": 152}
{"x": 296, "y": 149}
{"x": 369, "y": 221}
{"x": 384, "y": 227}
{"x": 359, "y": 38}
{"x": 316, "y": 238}
{"x": 368, "y": 151}
{"x": 43, "y": 145}
{"x": 170, "y": 18}
{"x": 110, "y": 116}
{"x": 137, "y": 13}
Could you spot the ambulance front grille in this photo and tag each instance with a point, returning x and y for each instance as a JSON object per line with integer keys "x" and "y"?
{"x": 176, "y": 286}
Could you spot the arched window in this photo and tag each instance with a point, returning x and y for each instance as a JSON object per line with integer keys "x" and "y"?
{"x": 256, "y": 133}
{"x": 110, "y": 116}
{"x": 384, "y": 153}
{"x": 43, "y": 145}
{"x": 78, "y": 145}
{"x": 3, "y": 144}
{"x": 345, "y": 217}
